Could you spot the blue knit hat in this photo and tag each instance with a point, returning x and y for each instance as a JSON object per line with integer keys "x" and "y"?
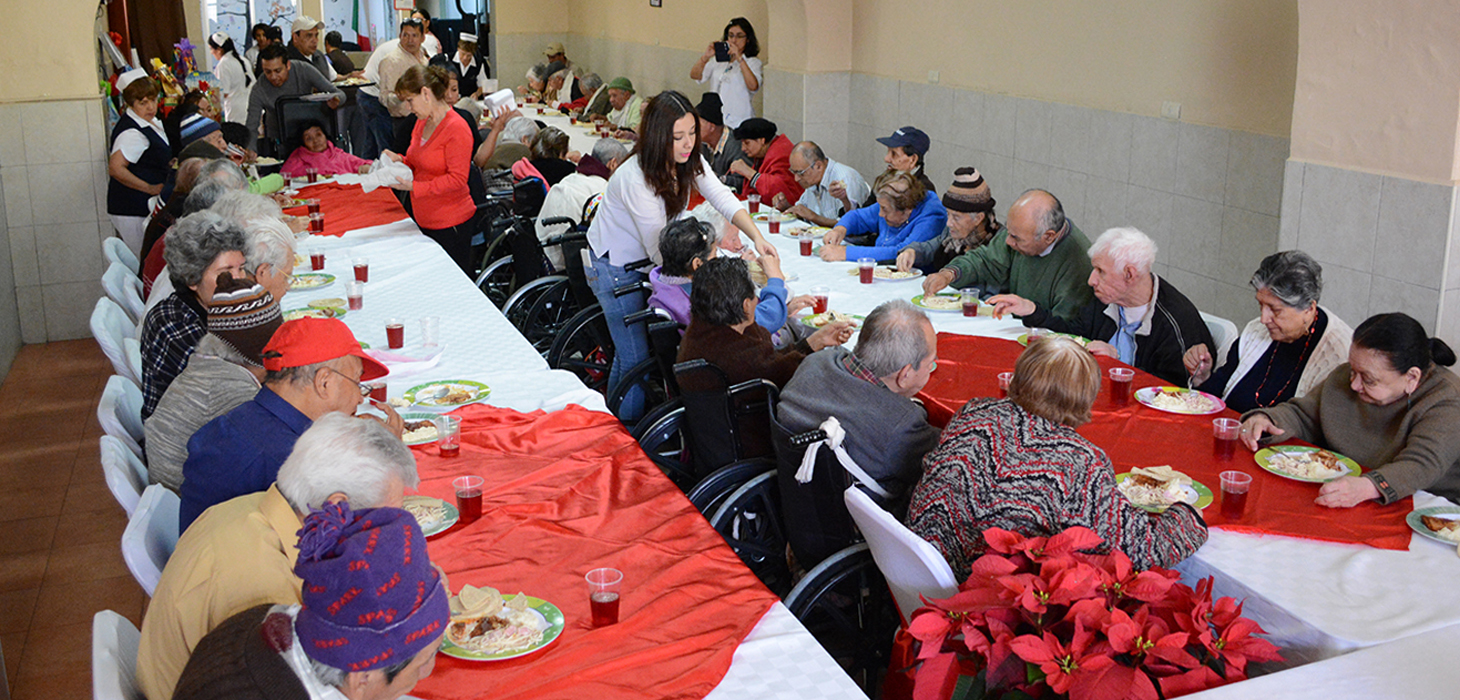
{"x": 371, "y": 598}
{"x": 195, "y": 127}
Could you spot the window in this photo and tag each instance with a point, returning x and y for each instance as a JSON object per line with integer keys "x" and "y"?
{"x": 237, "y": 17}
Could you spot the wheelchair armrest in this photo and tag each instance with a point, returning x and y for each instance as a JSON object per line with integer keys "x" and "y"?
{"x": 645, "y": 315}
{"x": 555, "y": 220}
{"x": 637, "y": 264}
{"x": 808, "y": 437}
{"x": 632, "y": 287}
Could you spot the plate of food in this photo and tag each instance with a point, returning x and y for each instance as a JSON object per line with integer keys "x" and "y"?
{"x": 314, "y": 312}
{"x": 1439, "y": 523}
{"x": 448, "y": 393}
{"x": 760, "y": 278}
{"x": 420, "y": 428}
{"x": 808, "y": 230}
{"x": 1311, "y": 464}
{"x": 311, "y": 280}
{"x": 265, "y": 160}
{"x": 887, "y": 273}
{"x": 489, "y": 626}
{"x": 821, "y": 319}
{"x": 1155, "y": 489}
{"x": 766, "y": 216}
{"x": 939, "y": 302}
{"x": 434, "y": 515}
{"x": 1172, "y": 399}
{"x": 1024, "y": 338}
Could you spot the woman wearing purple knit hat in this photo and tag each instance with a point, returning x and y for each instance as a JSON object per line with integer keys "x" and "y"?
{"x": 373, "y": 615}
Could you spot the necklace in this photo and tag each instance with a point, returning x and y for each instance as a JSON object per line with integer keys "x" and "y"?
{"x": 1302, "y": 358}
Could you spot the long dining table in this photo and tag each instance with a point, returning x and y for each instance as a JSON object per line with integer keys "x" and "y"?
{"x": 754, "y": 648}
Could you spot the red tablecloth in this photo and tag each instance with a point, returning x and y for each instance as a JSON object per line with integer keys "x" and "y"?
{"x": 1137, "y": 436}
{"x": 566, "y": 492}
{"x": 349, "y": 207}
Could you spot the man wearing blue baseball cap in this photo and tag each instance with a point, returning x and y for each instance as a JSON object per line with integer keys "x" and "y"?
{"x": 907, "y": 151}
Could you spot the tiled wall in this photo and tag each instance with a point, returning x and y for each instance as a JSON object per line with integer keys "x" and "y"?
{"x": 9, "y": 315}
{"x": 53, "y": 172}
{"x": 1385, "y": 243}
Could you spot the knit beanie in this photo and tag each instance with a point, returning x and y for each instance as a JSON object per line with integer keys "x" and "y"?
{"x": 968, "y": 193}
{"x": 243, "y": 315}
{"x": 371, "y": 598}
{"x": 194, "y": 128}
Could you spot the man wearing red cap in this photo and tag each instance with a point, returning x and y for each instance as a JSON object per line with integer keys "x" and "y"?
{"x": 313, "y": 366}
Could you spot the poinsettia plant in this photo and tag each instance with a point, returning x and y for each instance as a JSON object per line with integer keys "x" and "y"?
{"x": 1039, "y": 617}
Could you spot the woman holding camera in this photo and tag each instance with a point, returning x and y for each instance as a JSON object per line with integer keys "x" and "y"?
{"x": 731, "y": 68}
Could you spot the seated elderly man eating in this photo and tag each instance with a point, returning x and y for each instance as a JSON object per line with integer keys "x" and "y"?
{"x": 242, "y": 552}
{"x": 314, "y": 367}
{"x": 1137, "y": 317}
{"x": 831, "y": 188}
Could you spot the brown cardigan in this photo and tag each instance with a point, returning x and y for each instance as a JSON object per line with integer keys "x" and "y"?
{"x": 742, "y": 356}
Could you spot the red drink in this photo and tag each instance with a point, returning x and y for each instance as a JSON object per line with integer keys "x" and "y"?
{"x": 362, "y": 272}
{"x": 775, "y": 226}
{"x": 818, "y": 304}
{"x": 356, "y": 302}
{"x": 753, "y": 205}
{"x": 316, "y": 261}
{"x": 313, "y": 174}
{"x": 604, "y": 605}
{"x": 455, "y": 451}
{"x": 970, "y": 309}
{"x": 313, "y": 205}
{"x": 377, "y": 392}
{"x": 866, "y": 275}
{"x": 1234, "y": 505}
{"x": 806, "y": 247}
{"x": 1119, "y": 393}
{"x": 395, "y": 335}
{"x": 468, "y": 502}
{"x": 1223, "y": 449}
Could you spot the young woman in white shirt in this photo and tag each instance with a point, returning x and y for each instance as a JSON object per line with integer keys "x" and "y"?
{"x": 650, "y": 189}
{"x": 235, "y": 78}
{"x": 737, "y": 79}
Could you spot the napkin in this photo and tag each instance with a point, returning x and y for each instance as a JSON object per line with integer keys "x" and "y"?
{"x": 402, "y": 365}
{"x": 385, "y": 172}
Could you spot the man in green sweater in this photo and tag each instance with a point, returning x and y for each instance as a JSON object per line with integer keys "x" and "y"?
{"x": 1039, "y": 255}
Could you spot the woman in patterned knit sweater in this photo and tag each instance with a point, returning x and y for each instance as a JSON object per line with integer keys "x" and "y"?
{"x": 1018, "y": 464}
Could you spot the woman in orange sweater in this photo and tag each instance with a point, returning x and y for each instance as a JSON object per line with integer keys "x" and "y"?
{"x": 440, "y": 159}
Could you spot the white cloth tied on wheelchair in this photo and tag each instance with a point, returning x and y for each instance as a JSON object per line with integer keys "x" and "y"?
{"x": 834, "y": 436}
{"x": 385, "y": 172}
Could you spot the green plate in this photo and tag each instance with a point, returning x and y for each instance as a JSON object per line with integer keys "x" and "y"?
{"x": 1418, "y": 525}
{"x": 1264, "y": 460}
{"x": 806, "y": 320}
{"x": 552, "y": 624}
{"x": 311, "y": 280}
{"x": 313, "y": 312}
{"x": 479, "y": 390}
{"x": 419, "y": 416}
{"x": 1024, "y": 338}
{"x": 1196, "y": 490}
{"x": 918, "y": 302}
{"x": 448, "y": 518}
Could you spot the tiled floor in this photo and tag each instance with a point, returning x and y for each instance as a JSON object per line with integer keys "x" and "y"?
{"x": 60, "y": 528}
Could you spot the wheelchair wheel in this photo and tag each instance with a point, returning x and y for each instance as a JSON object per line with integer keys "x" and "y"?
{"x": 498, "y": 281}
{"x": 649, "y": 378}
{"x": 845, "y": 603}
{"x": 661, "y": 435}
{"x": 750, "y": 521}
{"x": 584, "y": 348}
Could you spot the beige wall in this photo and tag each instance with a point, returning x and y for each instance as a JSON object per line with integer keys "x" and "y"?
{"x": 62, "y": 69}
{"x": 678, "y": 24}
{"x": 1378, "y": 87}
{"x": 1230, "y": 63}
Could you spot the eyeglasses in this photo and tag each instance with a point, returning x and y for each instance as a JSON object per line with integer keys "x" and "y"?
{"x": 737, "y": 35}
{"x": 803, "y": 171}
{"x": 364, "y": 390}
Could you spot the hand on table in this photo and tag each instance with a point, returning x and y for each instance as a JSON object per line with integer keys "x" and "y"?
{"x": 1198, "y": 361}
{"x": 780, "y": 202}
{"x": 832, "y": 252}
{"x": 1346, "y": 492}
{"x": 835, "y": 236}
{"x": 935, "y": 282}
{"x": 794, "y": 304}
{"x": 830, "y": 335}
{"x": 1254, "y": 428}
{"x": 1011, "y": 304}
{"x": 800, "y": 211}
{"x": 905, "y": 259}
{"x": 626, "y": 135}
{"x": 1100, "y": 347}
{"x": 282, "y": 199}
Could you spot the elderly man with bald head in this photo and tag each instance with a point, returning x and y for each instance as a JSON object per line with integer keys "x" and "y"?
{"x": 832, "y": 188}
{"x": 1039, "y": 255}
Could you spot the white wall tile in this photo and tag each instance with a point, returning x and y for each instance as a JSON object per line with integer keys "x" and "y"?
{"x": 68, "y": 308}
{"x": 831, "y": 137}
{"x": 999, "y": 172}
{"x": 1413, "y": 230}
{"x": 877, "y": 104}
{"x": 56, "y": 190}
{"x": 1292, "y": 204}
{"x": 1449, "y": 325}
{"x": 1069, "y": 187}
{"x": 100, "y": 181}
{"x": 1452, "y": 273}
{"x": 1150, "y": 211}
{"x": 12, "y": 136}
{"x": 941, "y": 161}
{"x": 1233, "y": 302}
{"x": 23, "y": 256}
{"x": 96, "y": 123}
{"x": 1247, "y": 238}
{"x": 16, "y": 182}
{"x": 1105, "y": 203}
{"x": 1255, "y": 165}
{"x": 1197, "y": 288}
{"x": 863, "y": 152}
{"x": 56, "y": 132}
{"x": 1028, "y": 176}
{"x": 1339, "y": 216}
{"x": 1422, "y": 303}
{"x": 1346, "y": 292}
{"x": 1000, "y": 121}
{"x": 968, "y": 115}
{"x": 1153, "y": 153}
{"x": 1031, "y": 131}
{"x": 69, "y": 253}
{"x": 33, "y": 313}
{"x": 792, "y": 129}
{"x": 1110, "y": 145}
{"x": 1201, "y": 162}
{"x": 1069, "y": 137}
{"x": 1195, "y": 239}
{"x": 828, "y": 97}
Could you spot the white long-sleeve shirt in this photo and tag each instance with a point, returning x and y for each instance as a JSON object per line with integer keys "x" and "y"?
{"x": 631, "y": 216}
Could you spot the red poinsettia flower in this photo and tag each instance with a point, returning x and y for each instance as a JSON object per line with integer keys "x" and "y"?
{"x": 1236, "y": 645}
{"x": 1149, "y": 641}
{"x": 1061, "y": 663}
{"x": 1199, "y": 678}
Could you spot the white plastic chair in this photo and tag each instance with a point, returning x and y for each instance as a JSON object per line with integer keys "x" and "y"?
{"x": 1224, "y": 333}
{"x": 124, "y": 288}
{"x": 132, "y": 349}
{"x": 910, "y": 564}
{"x": 114, "y": 642}
{"x": 115, "y": 250}
{"x": 151, "y": 535}
{"x": 126, "y": 475}
{"x": 120, "y": 413}
{"x": 110, "y": 326}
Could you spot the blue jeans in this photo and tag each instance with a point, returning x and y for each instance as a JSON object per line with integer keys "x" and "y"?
{"x": 630, "y": 343}
{"x": 377, "y": 125}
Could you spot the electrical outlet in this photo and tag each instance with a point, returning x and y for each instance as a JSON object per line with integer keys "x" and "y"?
{"x": 1170, "y": 110}
{"x": 933, "y": 77}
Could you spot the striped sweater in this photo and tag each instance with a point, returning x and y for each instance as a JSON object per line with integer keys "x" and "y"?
{"x": 997, "y": 465}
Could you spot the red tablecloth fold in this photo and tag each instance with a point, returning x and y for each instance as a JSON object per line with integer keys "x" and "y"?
{"x": 349, "y": 207}
{"x": 1137, "y": 436}
{"x": 566, "y": 492}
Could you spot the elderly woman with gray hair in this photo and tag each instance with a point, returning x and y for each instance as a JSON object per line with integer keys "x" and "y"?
{"x": 1287, "y": 350}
